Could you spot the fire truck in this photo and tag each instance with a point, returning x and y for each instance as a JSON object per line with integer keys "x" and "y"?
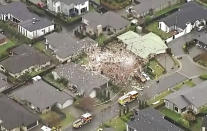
{"x": 84, "y": 119}
{"x": 127, "y": 98}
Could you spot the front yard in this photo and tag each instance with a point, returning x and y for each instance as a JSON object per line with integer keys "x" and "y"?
{"x": 155, "y": 69}
{"x": 118, "y": 123}
{"x": 153, "y": 27}
{"x": 4, "y": 49}
{"x": 188, "y": 83}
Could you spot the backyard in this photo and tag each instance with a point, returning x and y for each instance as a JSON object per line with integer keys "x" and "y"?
{"x": 153, "y": 27}
{"x": 188, "y": 83}
{"x": 115, "y": 4}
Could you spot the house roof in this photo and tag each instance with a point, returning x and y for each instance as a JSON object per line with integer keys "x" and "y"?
{"x": 189, "y": 12}
{"x": 13, "y": 115}
{"x": 20, "y": 11}
{"x": 202, "y": 38}
{"x": 41, "y": 95}
{"x": 107, "y": 19}
{"x": 75, "y": 2}
{"x": 68, "y": 45}
{"x": 3, "y": 82}
{"x": 24, "y": 57}
{"x": 145, "y": 5}
{"x": 84, "y": 80}
{"x": 143, "y": 46}
{"x": 151, "y": 120}
{"x": 195, "y": 96}
{"x": 35, "y": 23}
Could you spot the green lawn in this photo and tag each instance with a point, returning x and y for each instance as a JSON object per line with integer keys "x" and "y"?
{"x": 166, "y": 10}
{"x": 153, "y": 27}
{"x": 118, "y": 123}
{"x": 49, "y": 79}
{"x": 101, "y": 39}
{"x": 174, "y": 116}
{"x": 189, "y": 83}
{"x": 5, "y": 47}
{"x": 197, "y": 125}
{"x": 157, "y": 69}
{"x": 41, "y": 47}
{"x": 82, "y": 59}
{"x": 69, "y": 119}
{"x": 159, "y": 97}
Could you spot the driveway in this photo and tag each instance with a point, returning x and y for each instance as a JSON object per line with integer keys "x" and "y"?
{"x": 164, "y": 84}
{"x": 177, "y": 44}
{"x": 189, "y": 68}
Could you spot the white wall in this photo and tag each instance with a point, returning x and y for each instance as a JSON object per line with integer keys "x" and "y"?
{"x": 81, "y": 6}
{"x": 163, "y": 27}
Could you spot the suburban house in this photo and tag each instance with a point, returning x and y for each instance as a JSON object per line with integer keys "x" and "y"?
{"x": 95, "y": 23}
{"x": 14, "y": 117}
{"x": 24, "y": 59}
{"x": 29, "y": 24}
{"x": 188, "y": 99}
{"x": 3, "y": 82}
{"x": 84, "y": 82}
{"x": 68, "y": 46}
{"x": 3, "y": 39}
{"x": 146, "y": 7}
{"x": 190, "y": 15}
{"x": 41, "y": 96}
{"x": 146, "y": 46}
{"x": 150, "y": 120}
{"x": 202, "y": 41}
{"x": 68, "y": 7}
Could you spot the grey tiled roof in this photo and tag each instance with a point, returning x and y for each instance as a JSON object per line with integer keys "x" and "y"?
{"x": 189, "y": 12}
{"x": 24, "y": 57}
{"x": 151, "y": 120}
{"x": 84, "y": 80}
{"x": 108, "y": 19}
{"x": 41, "y": 95}
{"x": 13, "y": 115}
{"x": 20, "y": 11}
{"x": 65, "y": 45}
{"x": 196, "y": 96}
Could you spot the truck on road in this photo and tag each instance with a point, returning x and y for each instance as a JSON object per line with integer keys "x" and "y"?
{"x": 127, "y": 98}
{"x": 84, "y": 119}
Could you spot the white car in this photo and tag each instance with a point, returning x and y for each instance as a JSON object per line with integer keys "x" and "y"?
{"x": 146, "y": 76}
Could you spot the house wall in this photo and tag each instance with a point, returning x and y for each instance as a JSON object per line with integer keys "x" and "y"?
{"x": 81, "y": 6}
{"x": 65, "y": 8}
{"x": 162, "y": 26}
{"x": 36, "y": 33}
{"x": 36, "y": 68}
{"x": 64, "y": 105}
{"x": 171, "y": 106}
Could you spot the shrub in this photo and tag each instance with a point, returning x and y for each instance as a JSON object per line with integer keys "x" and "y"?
{"x": 203, "y": 77}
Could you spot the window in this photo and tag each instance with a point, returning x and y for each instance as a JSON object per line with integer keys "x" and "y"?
{"x": 176, "y": 109}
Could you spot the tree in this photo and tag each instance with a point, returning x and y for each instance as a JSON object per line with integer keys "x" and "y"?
{"x": 127, "y": 109}
{"x": 120, "y": 113}
{"x": 85, "y": 103}
{"x": 109, "y": 95}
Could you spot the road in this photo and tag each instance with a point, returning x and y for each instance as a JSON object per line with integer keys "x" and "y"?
{"x": 103, "y": 116}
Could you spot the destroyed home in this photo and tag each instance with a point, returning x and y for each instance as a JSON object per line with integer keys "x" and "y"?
{"x": 114, "y": 62}
{"x": 68, "y": 46}
{"x": 188, "y": 99}
{"x": 83, "y": 81}
{"x": 29, "y": 24}
{"x": 146, "y": 46}
{"x": 24, "y": 59}
{"x": 96, "y": 23}
{"x": 13, "y": 117}
{"x": 41, "y": 96}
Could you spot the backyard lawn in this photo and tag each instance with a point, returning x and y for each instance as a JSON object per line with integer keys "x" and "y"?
{"x": 5, "y": 47}
{"x": 153, "y": 27}
{"x": 156, "y": 69}
{"x": 69, "y": 119}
